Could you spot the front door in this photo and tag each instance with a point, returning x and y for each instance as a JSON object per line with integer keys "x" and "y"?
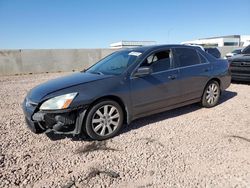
{"x": 159, "y": 89}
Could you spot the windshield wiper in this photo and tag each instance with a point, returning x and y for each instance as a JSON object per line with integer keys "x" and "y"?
{"x": 84, "y": 70}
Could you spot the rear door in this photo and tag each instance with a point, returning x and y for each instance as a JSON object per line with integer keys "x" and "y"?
{"x": 194, "y": 72}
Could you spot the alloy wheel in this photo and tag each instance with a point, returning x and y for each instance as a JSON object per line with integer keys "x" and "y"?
{"x": 105, "y": 120}
{"x": 212, "y": 93}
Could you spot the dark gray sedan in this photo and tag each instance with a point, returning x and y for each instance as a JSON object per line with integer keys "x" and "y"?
{"x": 124, "y": 86}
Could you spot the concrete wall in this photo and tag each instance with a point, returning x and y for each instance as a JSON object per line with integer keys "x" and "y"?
{"x": 39, "y": 61}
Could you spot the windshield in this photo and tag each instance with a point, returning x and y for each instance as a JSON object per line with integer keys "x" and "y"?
{"x": 246, "y": 50}
{"x": 115, "y": 64}
{"x": 237, "y": 51}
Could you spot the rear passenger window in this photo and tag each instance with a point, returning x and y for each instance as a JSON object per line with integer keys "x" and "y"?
{"x": 202, "y": 58}
{"x": 185, "y": 57}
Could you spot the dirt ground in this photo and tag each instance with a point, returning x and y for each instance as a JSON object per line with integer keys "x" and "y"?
{"x": 186, "y": 147}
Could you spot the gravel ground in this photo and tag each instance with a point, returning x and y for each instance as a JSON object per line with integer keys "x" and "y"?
{"x": 186, "y": 147}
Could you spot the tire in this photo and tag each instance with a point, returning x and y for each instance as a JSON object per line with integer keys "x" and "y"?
{"x": 211, "y": 94}
{"x": 104, "y": 120}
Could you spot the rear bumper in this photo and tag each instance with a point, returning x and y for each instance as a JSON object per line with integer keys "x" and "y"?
{"x": 61, "y": 121}
{"x": 225, "y": 82}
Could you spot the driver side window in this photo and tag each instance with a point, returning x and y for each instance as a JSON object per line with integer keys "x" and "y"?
{"x": 159, "y": 61}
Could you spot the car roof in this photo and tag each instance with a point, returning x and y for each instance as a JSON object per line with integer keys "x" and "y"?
{"x": 156, "y": 47}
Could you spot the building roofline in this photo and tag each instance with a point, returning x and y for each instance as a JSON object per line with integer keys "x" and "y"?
{"x": 137, "y": 41}
{"x": 132, "y": 43}
{"x": 225, "y": 36}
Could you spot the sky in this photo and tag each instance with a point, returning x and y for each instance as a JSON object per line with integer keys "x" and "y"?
{"x": 51, "y": 24}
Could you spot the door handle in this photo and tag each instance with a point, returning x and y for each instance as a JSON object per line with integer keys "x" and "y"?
{"x": 206, "y": 69}
{"x": 172, "y": 77}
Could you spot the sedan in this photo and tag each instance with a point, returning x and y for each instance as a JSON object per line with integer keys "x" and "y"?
{"x": 124, "y": 86}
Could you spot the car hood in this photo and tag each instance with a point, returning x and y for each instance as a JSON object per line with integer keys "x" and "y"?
{"x": 40, "y": 91}
{"x": 240, "y": 57}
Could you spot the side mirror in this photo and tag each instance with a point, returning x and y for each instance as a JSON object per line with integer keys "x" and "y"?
{"x": 143, "y": 71}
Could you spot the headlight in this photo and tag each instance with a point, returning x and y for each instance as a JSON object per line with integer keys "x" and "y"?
{"x": 57, "y": 103}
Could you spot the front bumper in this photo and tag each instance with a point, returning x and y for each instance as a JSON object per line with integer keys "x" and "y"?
{"x": 240, "y": 71}
{"x": 241, "y": 77}
{"x": 67, "y": 121}
{"x": 33, "y": 126}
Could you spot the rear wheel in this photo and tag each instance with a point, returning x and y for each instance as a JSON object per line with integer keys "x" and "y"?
{"x": 104, "y": 120}
{"x": 211, "y": 94}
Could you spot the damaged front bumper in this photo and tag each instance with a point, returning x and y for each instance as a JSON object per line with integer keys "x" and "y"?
{"x": 68, "y": 121}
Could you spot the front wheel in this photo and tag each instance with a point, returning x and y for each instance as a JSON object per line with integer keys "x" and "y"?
{"x": 211, "y": 94}
{"x": 104, "y": 120}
